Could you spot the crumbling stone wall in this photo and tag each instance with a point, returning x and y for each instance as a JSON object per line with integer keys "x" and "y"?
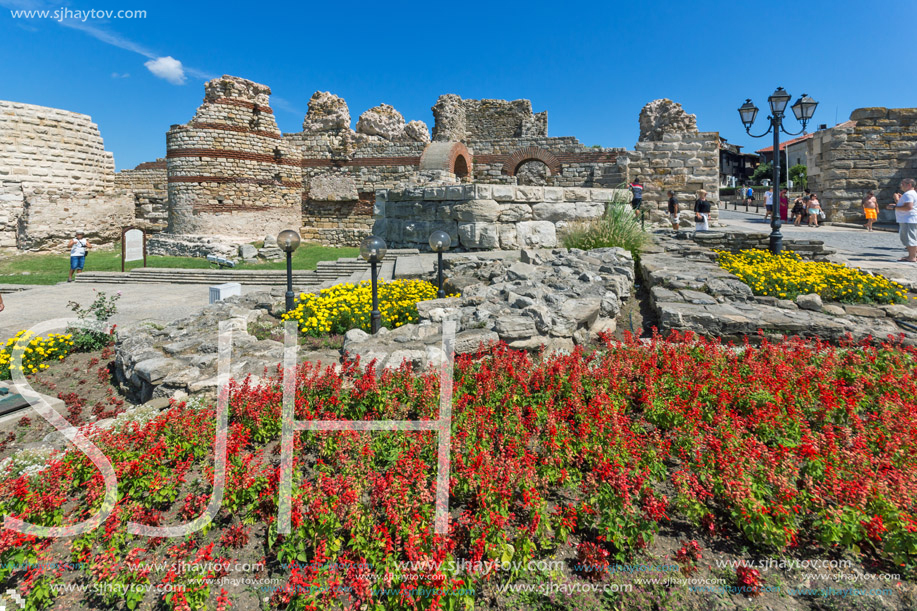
{"x": 672, "y": 155}
{"x": 230, "y": 172}
{"x": 55, "y": 175}
{"x": 342, "y": 167}
{"x": 872, "y": 151}
{"x": 459, "y": 120}
{"x": 148, "y": 183}
{"x": 685, "y": 163}
{"x": 483, "y": 216}
{"x": 568, "y": 163}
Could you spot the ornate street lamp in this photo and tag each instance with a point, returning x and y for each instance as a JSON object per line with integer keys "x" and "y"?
{"x": 803, "y": 109}
{"x": 440, "y": 242}
{"x": 288, "y": 241}
{"x": 373, "y": 250}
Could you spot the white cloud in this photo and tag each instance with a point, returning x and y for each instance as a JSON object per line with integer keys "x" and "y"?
{"x": 167, "y": 68}
{"x": 120, "y": 74}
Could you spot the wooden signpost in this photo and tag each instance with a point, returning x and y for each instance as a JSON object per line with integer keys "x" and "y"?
{"x": 133, "y": 246}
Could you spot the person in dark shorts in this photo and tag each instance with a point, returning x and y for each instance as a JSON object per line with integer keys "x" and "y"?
{"x": 673, "y": 210}
{"x": 636, "y": 188}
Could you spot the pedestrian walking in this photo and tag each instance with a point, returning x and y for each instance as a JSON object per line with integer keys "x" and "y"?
{"x": 814, "y": 210}
{"x": 905, "y": 208}
{"x": 701, "y": 212}
{"x": 768, "y": 203}
{"x": 749, "y": 196}
{"x": 78, "y": 247}
{"x": 799, "y": 209}
{"x": 784, "y": 204}
{"x": 673, "y": 210}
{"x": 636, "y": 188}
{"x": 870, "y": 209}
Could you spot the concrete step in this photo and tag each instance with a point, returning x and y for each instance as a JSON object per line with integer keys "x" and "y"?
{"x": 345, "y": 269}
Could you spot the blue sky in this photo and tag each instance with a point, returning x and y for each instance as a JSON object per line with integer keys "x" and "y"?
{"x": 591, "y": 65}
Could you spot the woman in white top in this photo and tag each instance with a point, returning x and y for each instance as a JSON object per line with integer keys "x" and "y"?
{"x": 78, "y": 247}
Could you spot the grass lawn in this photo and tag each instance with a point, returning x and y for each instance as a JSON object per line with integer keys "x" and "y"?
{"x": 53, "y": 268}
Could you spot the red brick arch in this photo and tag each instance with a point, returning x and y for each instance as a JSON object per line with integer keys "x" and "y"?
{"x": 531, "y": 153}
{"x": 449, "y": 156}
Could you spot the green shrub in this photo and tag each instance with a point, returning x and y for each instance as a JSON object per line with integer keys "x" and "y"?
{"x": 618, "y": 227}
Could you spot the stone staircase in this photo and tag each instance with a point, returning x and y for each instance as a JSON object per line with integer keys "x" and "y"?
{"x": 345, "y": 269}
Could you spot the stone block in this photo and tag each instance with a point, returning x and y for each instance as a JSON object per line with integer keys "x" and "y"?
{"x": 602, "y": 196}
{"x": 515, "y": 327}
{"x": 561, "y": 211}
{"x": 863, "y": 310}
{"x": 483, "y": 192}
{"x": 513, "y": 213}
{"x": 553, "y": 194}
{"x": 588, "y": 210}
{"x": 504, "y": 193}
{"x": 811, "y": 302}
{"x": 576, "y": 194}
{"x": 508, "y": 236}
{"x": 434, "y": 193}
{"x": 529, "y": 194}
{"x": 473, "y": 339}
{"x": 458, "y": 192}
{"x": 869, "y": 113}
{"x": 479, "y": 235}
{"x": 536, "y": 234}
{"x": 477, "y": 211}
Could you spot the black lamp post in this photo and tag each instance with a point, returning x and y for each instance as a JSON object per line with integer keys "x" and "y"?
{"x": 288, "y": 241}
{"x": 804, "y": 108}
{"x": 440, "y": 242}
{"x": 373, "y": 250}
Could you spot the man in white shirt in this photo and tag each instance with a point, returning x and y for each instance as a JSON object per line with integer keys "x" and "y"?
{"x": 905, "y": 207}
{"x": 78, "y": 247}
{"x": 768, "y": 203}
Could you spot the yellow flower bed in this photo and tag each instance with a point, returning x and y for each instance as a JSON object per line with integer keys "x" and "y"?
{"x": 348, "y": 306}
{"x": 788, "y": 275}
{"x": 35, "y": 351}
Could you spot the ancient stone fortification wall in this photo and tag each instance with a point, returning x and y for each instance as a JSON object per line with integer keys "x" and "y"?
{"x": 148, "y": 183}
{"x": 459, "y": 120}
{"x": 342, "y": 167}
{"x": 484, "y": 217}
{"x": 230, "y": 173}
{"x": 872, "y": 151}
{"x": 566, "y": 161}
{"x": 55, "y": 175}
{"x": 683, "y": 162}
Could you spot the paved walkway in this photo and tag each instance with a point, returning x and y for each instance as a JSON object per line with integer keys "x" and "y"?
{"x": 156, "y": 302}
{"x": 877, "y": 251}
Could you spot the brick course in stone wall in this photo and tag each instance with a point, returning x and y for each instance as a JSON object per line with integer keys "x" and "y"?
{"x": 872, "y": 151}
{"x": 230, "y": 172}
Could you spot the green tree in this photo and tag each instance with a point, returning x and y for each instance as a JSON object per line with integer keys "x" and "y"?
{"x": 766, "y": 170}
{"x": 799, "y": 175}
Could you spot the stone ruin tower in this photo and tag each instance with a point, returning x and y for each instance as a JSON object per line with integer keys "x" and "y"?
{"x": 230, "y": 173}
